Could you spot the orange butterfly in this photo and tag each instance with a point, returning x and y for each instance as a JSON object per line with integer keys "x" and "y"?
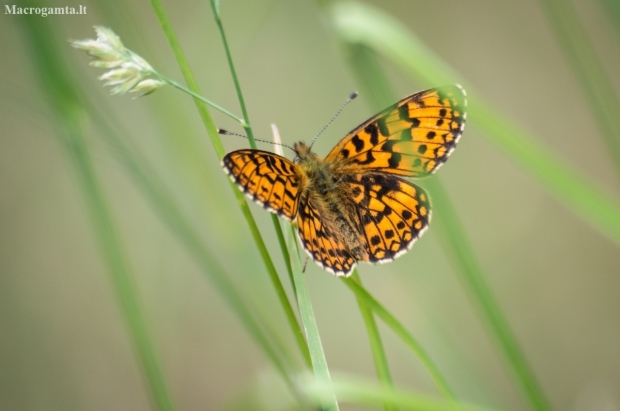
{"x": 354, "y": 205}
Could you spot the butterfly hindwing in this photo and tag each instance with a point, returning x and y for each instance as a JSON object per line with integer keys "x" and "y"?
{"x": 320, "y": 241}
{"x": 269, "y": 179}
{"x": 393, "y": 213}
{"x": 411, "y": 138}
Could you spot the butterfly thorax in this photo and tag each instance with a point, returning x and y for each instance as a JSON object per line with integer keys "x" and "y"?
{"x": 319, "y": 174}
{"x": 325, "y": 189}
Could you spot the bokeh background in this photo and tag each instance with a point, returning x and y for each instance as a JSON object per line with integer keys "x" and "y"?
{"x": 64, "y": 344}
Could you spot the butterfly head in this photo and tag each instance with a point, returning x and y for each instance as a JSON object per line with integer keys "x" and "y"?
{"x": 304, "y": 153}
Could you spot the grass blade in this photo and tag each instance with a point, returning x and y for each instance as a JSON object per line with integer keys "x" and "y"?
{"x": 358, "y": 24}
{"x": 69, "y": 113}
{"x": 372, "y": 80}
{"x": 457, "y": 246}
{"x": 319, "y": 362}
{"x": 589, "y": 71}
{"x": 451, "y": 233}
{"x": 376, "y": 345}
{"x": 370, "y": 395}
{"x": 362, "y": 295}
{"x": 275, "y": 279}
{"x": 613, "y": 10}
{"x": 219, "y": 148}
{"x": 180, "y": 225}
{"x": 169, "y": 211}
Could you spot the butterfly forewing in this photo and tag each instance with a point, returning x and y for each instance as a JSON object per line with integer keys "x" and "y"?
{"x": 411, "y": 138}
{"x": 267, "y": 178}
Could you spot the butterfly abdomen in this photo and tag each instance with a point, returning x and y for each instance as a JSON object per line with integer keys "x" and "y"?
{"x": 325, "y": 190}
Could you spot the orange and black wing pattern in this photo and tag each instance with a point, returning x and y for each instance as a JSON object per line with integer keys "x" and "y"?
{"x": 393, "y": 214}
{"x": 412, "y": 138}
{"x": 321, "y": 240}
{"x": 269, "y": 179}
{"x": 354, "y": 205}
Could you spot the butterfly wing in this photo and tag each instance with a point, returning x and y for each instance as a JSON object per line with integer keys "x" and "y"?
{"x": 393, "y": 213}
{"x": 269, "y": 179}
{"x": 412, "y": 138}
{"x": 319, "y": 240}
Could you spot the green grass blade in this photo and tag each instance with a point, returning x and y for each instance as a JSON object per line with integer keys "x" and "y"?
{"x": 171, "y": 214}
{"x": 69, "y": 113}
{"x": 376, "y": 345}
{"x": 366, "y": 394}
{"x": 364, "y": 296}
{"x": 374, "y": 82}
{"x": 165, "y": 207}
{"x": 248, "y": 127}
{"x": 219, "y": 148}
{"x": 613, "y": 11}
{"x": 457, "y": 246}
{"x": 589, "y": 71}
{"x": 319, "y": 362}
{"x": 287, "y": 261}
{"x": 294, "y": 324}
{"x": 451, "y": 233}
{"x": 358, "y": 24}
{"x": 118, "y": 265}
{"x": 583, "y": 197}
{"x": 233, "y": 73}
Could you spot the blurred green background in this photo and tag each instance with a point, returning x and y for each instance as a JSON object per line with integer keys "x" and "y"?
{"x": 63, "y": 342}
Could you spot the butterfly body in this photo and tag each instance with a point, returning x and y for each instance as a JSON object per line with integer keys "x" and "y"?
{"x": 328, "y": 190}
{"x": 354, "y": 205}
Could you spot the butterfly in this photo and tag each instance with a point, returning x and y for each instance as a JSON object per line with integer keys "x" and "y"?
{"x": 354, "y": 205}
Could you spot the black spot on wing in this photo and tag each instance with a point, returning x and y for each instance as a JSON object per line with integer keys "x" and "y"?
{"x": 394, "y": 160}
{"x": 358, "y": 143}
{"x": 373, "y": 131}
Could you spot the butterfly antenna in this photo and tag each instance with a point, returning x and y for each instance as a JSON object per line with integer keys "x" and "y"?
{"x": 230, "y": 133}
{"x": 348, "y": 100}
